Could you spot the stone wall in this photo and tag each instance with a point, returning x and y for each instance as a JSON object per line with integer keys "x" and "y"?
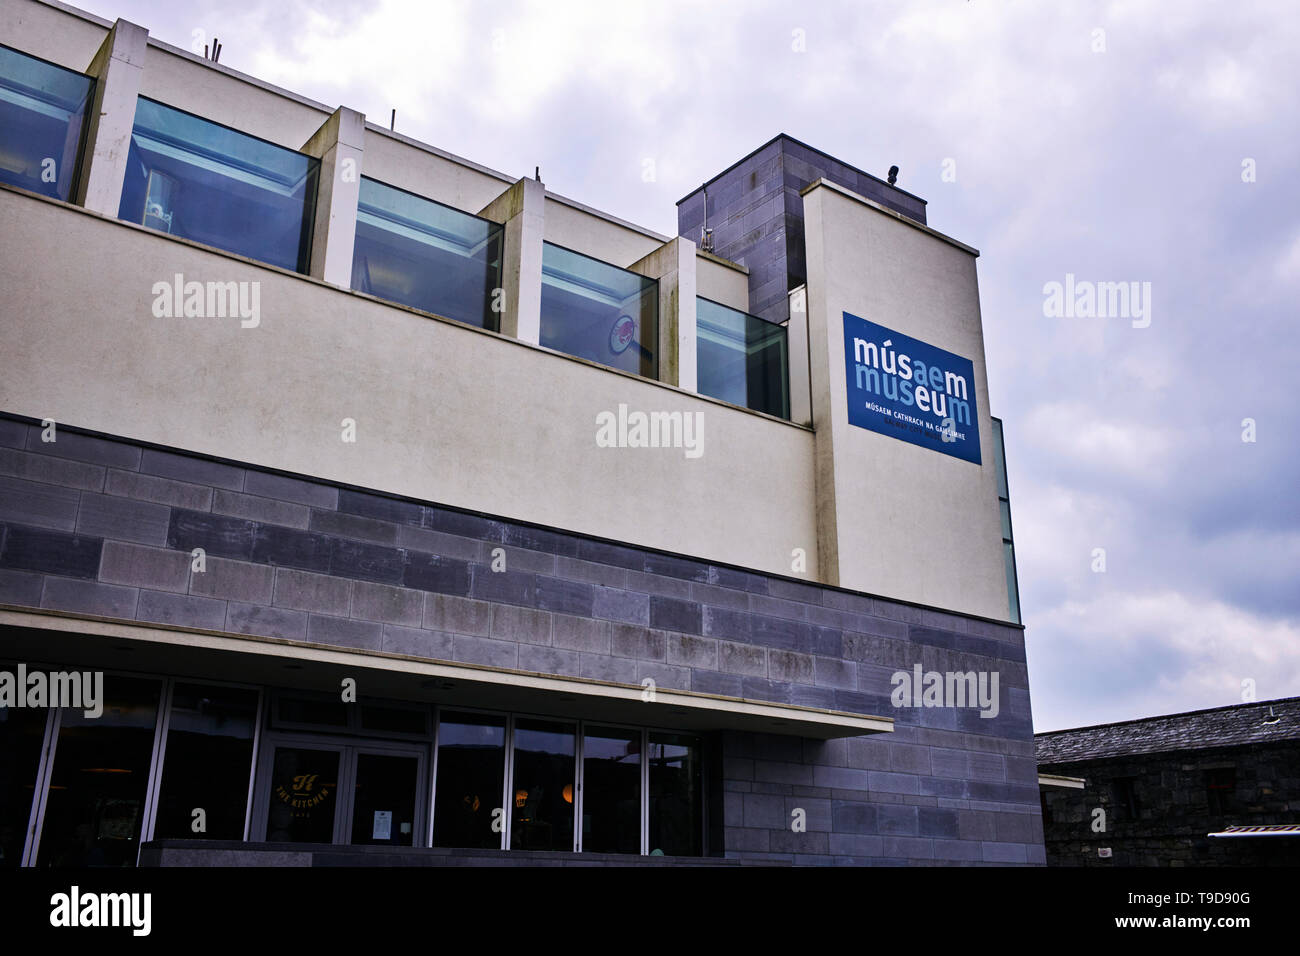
{"x": 99, "y": 526}
{"x": 1173, "y": 813}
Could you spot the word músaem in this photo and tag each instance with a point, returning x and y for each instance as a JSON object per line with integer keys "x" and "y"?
{"x": 909, "y": 380}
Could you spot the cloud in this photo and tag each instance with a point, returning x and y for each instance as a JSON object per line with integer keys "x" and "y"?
{"x": 1134, "y": 655}
{"x": 1287, "y": 268}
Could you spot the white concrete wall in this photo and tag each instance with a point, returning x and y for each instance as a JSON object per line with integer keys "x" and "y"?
{"x": 443, "y": 412}
{"x": 721, "y": 283}
{"x": 896, "y": 518}
{"x": 66, "y": 37}
{"x": 425, "y": 173}
{"x": 593, "y": 236}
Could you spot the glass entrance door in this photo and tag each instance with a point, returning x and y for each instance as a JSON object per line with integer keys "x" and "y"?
{"x": 303, "y": 798}
{"x": 336, "y": 790}
{"x": 384, "y": 799}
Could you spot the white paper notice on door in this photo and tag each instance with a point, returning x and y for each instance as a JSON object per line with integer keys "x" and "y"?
{"x": 383, "y": 825}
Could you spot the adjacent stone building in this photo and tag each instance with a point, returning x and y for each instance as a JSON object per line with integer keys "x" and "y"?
{"x": 1217, "y": 787}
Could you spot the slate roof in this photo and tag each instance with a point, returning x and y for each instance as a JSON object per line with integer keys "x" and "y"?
{"x": 1266, "y": 721}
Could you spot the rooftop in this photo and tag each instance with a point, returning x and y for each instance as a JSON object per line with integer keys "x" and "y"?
{"x": 1267, "y": 721}
{"x": 812, "y": 149}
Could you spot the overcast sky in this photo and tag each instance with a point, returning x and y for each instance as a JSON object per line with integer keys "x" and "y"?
{"x": 1114, "y": 156}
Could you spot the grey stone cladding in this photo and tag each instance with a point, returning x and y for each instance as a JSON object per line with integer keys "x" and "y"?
{"x": 96, "y": 526}
{"x": 756, "y": 213}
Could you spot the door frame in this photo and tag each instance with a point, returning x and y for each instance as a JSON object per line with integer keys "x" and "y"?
{"x": 49, "y": 752}
{"x": 348, "y": 748}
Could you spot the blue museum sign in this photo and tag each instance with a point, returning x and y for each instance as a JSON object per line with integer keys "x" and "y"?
{"x": 903, "y": 387}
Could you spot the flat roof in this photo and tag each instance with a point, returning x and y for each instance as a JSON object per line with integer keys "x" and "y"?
{"x": 812, "y": 149}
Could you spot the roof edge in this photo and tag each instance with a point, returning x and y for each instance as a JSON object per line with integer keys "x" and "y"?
{"x": 1183, "y": 713}
{"x": 819, "y": 152}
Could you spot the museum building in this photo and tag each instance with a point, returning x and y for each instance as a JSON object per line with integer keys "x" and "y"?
{"x": 362, "y": 504}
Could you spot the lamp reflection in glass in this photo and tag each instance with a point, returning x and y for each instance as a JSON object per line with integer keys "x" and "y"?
{"x": 159, "y": 201}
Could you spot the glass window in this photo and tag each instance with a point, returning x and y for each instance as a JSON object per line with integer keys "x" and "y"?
{"x": 599, "y": 312}
{"x": 95, "y": 804}
{"x": 22, "y": 731}
{"x": 999, "y": 458}
{"x": 1220, "y": 788}
{"x": 676, "y": 796}
{"x": 208, "y": 760}
{"x": 304, "y": 795}
{"x": 383, "y": 800}
{"x": 471, "y": 780}
{"x": 193, "y": 178}
{"x": 42, "y": 123}
{"x": 1013, "y": 587}
{"x": 542, "y": 804}
{"x": 741, "y": 359}
{"x": 310, "y": 710}
{"x": 1126, "y": 796}
{"x": 611, "y": 790}
{"x": 1004, "y": 512}
{"x": 428, "y": 256}
{"x": 394, "y": 719}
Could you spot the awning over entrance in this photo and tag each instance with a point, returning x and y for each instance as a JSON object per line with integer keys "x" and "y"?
{"x": 31, "y": 635}
{"x": 1271, "y": 830}
{"x": 1056, "y": 780}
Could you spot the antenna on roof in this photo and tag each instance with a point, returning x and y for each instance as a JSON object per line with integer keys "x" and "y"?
{"x": 537, "y": 173}
{"x": 392, "y": 120}
{"x": 1271, "y": 719}
{"x": 893, "y": 175}
{"x": 706, "y": 234}
{"x": 215, "y": 54}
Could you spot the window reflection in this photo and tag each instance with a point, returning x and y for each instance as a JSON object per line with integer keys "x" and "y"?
{"x": 95, "y": 805}
{"x": 42, "y": 123}
{"x": 742, "y": 359}
{"x": 190, "y": 177}
{"x": 420, "y": 253}
{"x": 599, "y": 312}
{"x": 676, "y": 796}
{"x": 611, "y": 790}
{"x": 209, "y": 757}
{"x": 542, "y": 802}
{"x": 383, "y": 802}
{"x": 1004, "y": 510}
{"x": 22, "y": 731}
{"x": 304, "y": 795}
{"x": 471, "y": 780}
